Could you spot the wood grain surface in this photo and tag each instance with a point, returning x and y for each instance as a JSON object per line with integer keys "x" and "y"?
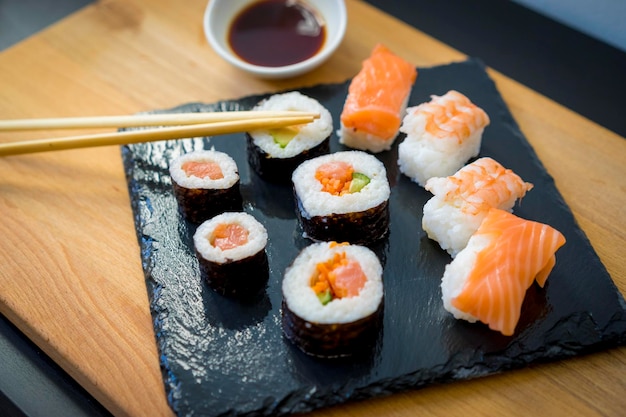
{"x": 70, "y": 271}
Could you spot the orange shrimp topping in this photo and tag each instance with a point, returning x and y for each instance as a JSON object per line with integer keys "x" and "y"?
{"x": 335, "y": 177}
{"x": 451, "y": 115}
{"x": 203, "y": 169}
{"x": 229, "y": 236}
{"x": 338, "y": 277}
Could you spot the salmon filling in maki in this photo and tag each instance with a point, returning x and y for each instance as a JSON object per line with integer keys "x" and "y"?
{"x": 203, "y": 169}
{"x": 229, "y": 236}
{"x": 338, "y": 277}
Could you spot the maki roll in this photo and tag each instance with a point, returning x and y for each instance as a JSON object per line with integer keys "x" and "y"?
{"x": 333, "y": 300}
{"x": 205, "y": 183}
{"x": 441, "y": 136}
{"x": 275, "y": 153}
{"x": 343, "y": 197}
{"x": 231, "y": 252}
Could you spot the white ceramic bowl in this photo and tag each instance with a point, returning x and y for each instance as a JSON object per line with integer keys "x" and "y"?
{"x": 219, "y": 15}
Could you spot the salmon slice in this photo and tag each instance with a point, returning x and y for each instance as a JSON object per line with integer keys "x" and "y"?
{"x": 451, "y": 116}
{"x": 349, "y": 279}
{"x": 378, "y": 94}
{"x": 338, "y": 277}
{"x": 229, "y": 235}
{"x": 203, "y": 169}
{"x": 517, "y": 252}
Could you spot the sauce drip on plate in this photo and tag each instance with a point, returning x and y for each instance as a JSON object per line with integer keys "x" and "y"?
{"x": 273, "y": 33}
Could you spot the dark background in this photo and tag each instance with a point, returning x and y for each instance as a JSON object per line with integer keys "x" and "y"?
{"x": 575, "y": 70}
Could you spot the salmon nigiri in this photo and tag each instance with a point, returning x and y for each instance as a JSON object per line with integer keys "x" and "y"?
{"x": 460, "y": 202}
{"x": 487, "y": 281}
{"x": 376, "y": 101}
{"x": 441, "y": 136}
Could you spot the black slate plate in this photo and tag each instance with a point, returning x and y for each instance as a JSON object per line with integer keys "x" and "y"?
{"x": 221, "y": 357}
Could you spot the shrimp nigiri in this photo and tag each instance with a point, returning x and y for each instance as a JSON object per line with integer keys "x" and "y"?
{"x": 461, "y": 201}
{"x": 441, "y": 136}
{"x": 376, "y": 101}
{"x": 487, "y": 281}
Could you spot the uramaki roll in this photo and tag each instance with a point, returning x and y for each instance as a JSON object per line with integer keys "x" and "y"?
{"x": 275, "y": 153}
{"x": 205, "y": 183}
{"x": 333, "y": 300}
{"x": 343, "y": 197}
{"x": 231, "y": 252}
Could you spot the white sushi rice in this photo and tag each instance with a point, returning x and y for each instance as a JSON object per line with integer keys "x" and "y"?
{"x": 302, "y": 300}
{"x": 257, "y": 238}
{"x": 456, "y": 274}
{"x": 226, "y": 163}
{"x": 309, "y": 136}
{"x": 320, "y": 203}
{"x": 423, "y": 156}
{"x": 448, "y": 225}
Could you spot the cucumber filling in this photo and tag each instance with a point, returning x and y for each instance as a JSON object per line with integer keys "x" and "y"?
{"x": 283, "y": 135}
{"x": 358, "y": 182}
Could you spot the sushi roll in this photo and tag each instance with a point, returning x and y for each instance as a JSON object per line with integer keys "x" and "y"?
{"x": 275, "y": 153}
{"x": 487, "y": 281}
{"x": 333, "y": 300}
{"x": 461, "y": 202}
{"x": 343, "y": 197}
{"x": 441, "y": 136}
{"x": 230, "y": 249}
{"x": 205, "y": 183}
{"x": 376, "y": 101}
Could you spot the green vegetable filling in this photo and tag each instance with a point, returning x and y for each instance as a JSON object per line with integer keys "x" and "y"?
{"x": 283, "y": 135}
{"x": 358, "y": 182}
{"x": 325, "y": 297}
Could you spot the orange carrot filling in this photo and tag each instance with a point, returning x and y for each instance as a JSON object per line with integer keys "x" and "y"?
{"x": 229, "y": 236}
{"x": 335, "y": 177}
{"x": 338, "y": 277}
{"x": 203, "y": 169}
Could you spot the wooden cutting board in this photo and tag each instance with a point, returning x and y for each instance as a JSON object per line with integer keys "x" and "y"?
{"x": 70, "y": 271}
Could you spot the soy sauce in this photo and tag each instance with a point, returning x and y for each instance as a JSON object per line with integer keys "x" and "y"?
{"x": 273, "y": 33}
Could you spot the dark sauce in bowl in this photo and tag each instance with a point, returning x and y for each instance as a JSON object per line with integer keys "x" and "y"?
{"x": 275, "y": 33}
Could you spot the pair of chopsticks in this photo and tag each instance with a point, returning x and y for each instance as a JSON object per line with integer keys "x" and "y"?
{"x": 178, "y": 125}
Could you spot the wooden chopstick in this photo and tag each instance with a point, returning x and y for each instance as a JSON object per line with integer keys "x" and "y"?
{"x": 149, "y": 135}
{"x": 139, "y": 120}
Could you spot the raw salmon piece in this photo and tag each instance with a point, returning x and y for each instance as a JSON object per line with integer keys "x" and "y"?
{"x": 506, "y": 254}
{"x": 376, "y": 100}
{"x": 203, "y": 169}
{"x": 229, "y": 236}
{"x": 342, "y": 276}
{"x": 348, "y": 279}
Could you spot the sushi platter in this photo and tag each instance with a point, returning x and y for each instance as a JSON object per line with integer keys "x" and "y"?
{"x": 220, "y": 356}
